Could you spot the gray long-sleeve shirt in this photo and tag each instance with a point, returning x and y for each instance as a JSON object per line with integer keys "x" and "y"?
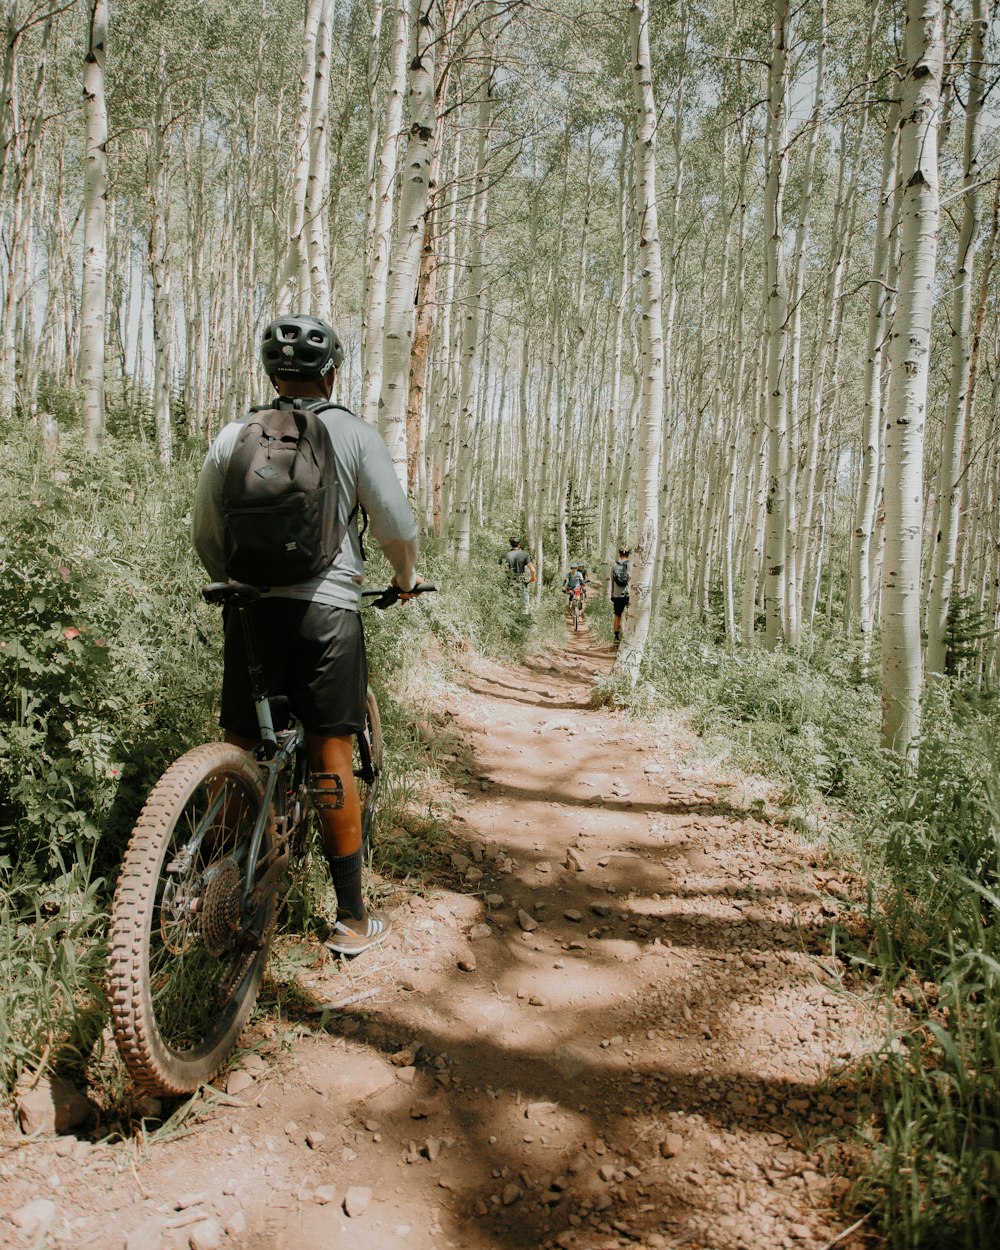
{"x": 364, "y": 474}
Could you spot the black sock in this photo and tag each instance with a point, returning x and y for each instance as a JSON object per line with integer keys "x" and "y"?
{"x": 345, "y": 871}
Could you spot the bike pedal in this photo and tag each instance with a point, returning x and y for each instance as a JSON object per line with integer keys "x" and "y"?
{"x": 327, "y": 798}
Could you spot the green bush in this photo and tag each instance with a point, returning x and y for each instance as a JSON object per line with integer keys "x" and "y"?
{"x": 812, "y": 723}
{"x": 107, "y": 661}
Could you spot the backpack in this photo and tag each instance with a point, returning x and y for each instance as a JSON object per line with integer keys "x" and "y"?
{"x": 620, "y": 574}
{"x": 279, "y": 498}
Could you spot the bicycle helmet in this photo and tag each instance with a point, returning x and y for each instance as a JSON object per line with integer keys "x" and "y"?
{"x": 300, "y": 346}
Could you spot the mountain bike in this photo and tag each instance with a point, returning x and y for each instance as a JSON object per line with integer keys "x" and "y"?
{"x": 576, "y": 600}
{"x": 194, "y": 911}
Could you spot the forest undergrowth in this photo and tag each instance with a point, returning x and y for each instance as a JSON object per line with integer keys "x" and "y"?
{"x": 109, "y": 666}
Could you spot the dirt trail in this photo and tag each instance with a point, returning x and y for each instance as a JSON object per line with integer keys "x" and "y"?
{"x": 608, "y": 1024}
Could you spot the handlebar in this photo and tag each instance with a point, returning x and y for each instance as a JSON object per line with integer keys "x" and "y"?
{"x": 385, "y": 598}
{"x": 223, "y": 592}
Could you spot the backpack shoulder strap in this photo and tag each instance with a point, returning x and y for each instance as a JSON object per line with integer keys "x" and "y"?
{"x": 331, "y": 406}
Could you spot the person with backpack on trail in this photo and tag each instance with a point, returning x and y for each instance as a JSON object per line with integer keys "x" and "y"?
{"x": 308, "y": 560}
{"x": 520, "y": 568}
{"x": 621, "y": 575}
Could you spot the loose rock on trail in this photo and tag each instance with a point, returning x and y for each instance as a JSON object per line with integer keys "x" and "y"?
{"x": 609, "y": 1020}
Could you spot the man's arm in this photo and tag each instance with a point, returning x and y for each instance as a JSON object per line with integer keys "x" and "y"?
{"x": 390, "y": 517}
{"x": 207, "y": 527}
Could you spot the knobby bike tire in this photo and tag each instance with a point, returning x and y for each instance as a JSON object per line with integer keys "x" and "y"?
{"x": 185, "y": 967}
{"x": 576, "y": 615}
{"x": 368, "y": 791}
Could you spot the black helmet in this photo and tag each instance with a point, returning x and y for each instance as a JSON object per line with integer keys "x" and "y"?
{"x": 624, "y": 552}
{"x": 514, "y": 542}
{"x": 300, "y": 346}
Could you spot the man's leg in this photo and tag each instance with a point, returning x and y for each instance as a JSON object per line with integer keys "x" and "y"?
{"x": 341, "y": 827}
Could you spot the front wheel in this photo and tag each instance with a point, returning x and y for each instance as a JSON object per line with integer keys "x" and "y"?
{"x": 576, "y": 614}
{"x": 186, "y": 962}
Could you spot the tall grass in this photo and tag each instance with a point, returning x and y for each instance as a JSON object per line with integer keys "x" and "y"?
{"x": 936, "y": 1153}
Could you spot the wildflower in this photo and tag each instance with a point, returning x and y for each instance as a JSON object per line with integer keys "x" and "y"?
{"x": 64, "y": 572}
{"x": 100, "y": 642}
{"x": 71, "y": 633}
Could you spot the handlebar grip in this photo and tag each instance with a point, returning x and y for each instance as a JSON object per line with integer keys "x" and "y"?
{"x": 392, "y": 594}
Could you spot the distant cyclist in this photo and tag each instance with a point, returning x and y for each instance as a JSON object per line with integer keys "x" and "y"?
{"x": 575, "y": 579}
{"x": 621, "y": 575}
{"x": 520, "y": 568}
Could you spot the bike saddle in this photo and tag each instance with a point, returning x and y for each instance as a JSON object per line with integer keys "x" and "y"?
{"x": 225, "y": 592}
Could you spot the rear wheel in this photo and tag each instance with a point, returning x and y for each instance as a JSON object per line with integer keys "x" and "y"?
{"x": 368, "y": 759}
{"x": 186, "y": 963}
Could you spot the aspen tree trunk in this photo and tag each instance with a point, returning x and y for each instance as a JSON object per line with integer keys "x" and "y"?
{"x": 416, "y": 407}
{"x": 443, "y": 369}
{"x": 95, "y": 204}
{"x": 736, "y": 399}
{"x": 473, "y": 302}
{"x": 606, "y": 542}
{"x": 158, "y": 176}
{"x": 524, "y": 493}
{"x": 317, "y": 252}
{"x": 756, "y": 513}
{"x": 633, "y": 649}
{"x": 909, "y": 357}
{"x": 417, "y": 416}
{"x": 871, "y": 436}
{"x": 953, "y": 434}
{"x": 404, "y": 267}
{"x": 792, "y": 606}
{"x": 381, "y": 199}
{"x": 777, "y": 317}
{"x": 294, "y": 276}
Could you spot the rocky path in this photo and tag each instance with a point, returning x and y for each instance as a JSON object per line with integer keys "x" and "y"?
{"x": 608, "y": 1020}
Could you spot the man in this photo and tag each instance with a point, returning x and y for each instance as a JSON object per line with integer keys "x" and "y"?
{"x": 309, "y": 633}
{"x": 620, "y": 577}
{"x": 520, "y": 567}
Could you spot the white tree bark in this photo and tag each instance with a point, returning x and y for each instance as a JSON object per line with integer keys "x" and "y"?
{"x": 158, "y": 187}
{"x": 317, "y": 277}
{"x": 473, "y": 302}
{"x": 871, "y": 436}
{"x": 909, "y": 350}
{"x": 294, "y": 277}
{"x": 95, "y": 204}
{"x": 775, "y": 570}
{"x": 381, "y": 199}
{"x": 405, "y": 264}
{"x": 633, "y": 648}
{"x": 953, "y": 434}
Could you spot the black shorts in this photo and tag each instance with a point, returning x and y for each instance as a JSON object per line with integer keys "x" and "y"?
{"x": 310, "y": 652}
{"x": 619, "y": 603}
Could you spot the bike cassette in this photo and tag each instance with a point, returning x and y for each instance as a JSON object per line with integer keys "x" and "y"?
{"x": 220, "y": 906}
